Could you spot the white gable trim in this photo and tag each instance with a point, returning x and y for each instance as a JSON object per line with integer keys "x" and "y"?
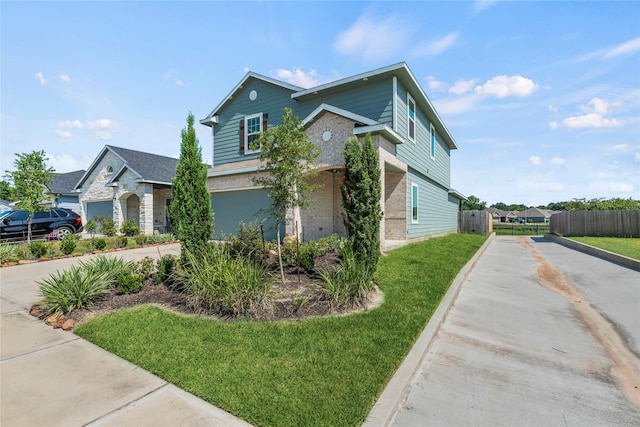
{"x": 340, "y": 112}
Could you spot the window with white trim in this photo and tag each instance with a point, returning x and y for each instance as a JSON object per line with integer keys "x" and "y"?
{"x": 432, "y": 132}
{"x": 411, "y": 118}
{"x": 414, "y": 203}
{"x": 252, "y": 129}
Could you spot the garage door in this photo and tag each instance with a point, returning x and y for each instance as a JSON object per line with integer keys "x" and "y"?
{"x": 99, "y": 208}
{"x": 230, "y": 208}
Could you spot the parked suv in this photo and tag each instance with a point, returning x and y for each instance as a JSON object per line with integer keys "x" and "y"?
{"x": 13, "y": 226}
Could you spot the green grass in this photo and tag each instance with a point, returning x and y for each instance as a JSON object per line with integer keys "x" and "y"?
{"x": 629, "y": 247}
{"x": 320, "y": 371}
{"x": 517, "y": 229}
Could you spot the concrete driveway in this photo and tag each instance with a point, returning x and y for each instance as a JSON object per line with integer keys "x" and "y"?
{"x": 539, "y": 335}
{"x": 54, "y": 378}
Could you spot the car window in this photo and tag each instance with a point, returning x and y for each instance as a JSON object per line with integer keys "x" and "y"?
{"x": 59, "y": 212}
{"x": 19, "y": 216}
{"x": 41, "y": 215}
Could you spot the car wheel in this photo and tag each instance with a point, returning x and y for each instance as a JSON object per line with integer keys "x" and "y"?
{"x": 64, "y": 231}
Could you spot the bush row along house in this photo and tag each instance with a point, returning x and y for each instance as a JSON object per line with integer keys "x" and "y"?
{"x": 413, "y": 144}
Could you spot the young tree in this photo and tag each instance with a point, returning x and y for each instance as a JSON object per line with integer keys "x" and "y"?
{"x": 288, "y": 157}
{"x": 473, "y": 203}
{"x": 190, "y": 209}
{"x": 30, "y": 181}
{"x": 361, "y": 201}
{"x": 7, "y": 192}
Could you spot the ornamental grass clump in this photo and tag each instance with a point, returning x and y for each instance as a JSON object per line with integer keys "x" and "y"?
{"x": 219, "y": 282}
{"x": 73, "y": 288}
{"x": 8, "y": 253}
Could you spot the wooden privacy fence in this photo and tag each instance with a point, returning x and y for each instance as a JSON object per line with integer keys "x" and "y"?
{"x": 596, "y": 223}
{"x": 475, "y": 222}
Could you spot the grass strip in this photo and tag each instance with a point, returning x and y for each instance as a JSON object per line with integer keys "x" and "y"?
{"x": 627, "y": 246}
{"x": 321, "y": 371}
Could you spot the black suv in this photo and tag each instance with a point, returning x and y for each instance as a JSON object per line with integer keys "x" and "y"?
{"x": 13, "y": 226}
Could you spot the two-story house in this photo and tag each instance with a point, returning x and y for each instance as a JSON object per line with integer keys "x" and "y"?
{"x": 413, "y": 144}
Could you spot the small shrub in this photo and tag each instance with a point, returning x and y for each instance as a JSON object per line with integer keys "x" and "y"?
{"x": 217, "y": 281}
{"x": 53, "y": 250}
{"x": 8, "y": 253}
{"x": 140, "y": 239}
{"x": 130, "y": 228}
{"x": 165, "y": 269}
{"x": 68, "y": 244}
{"x": 121, "y": 242}
{"x": 38, "y": 248}
{"x": 74, "y": 288}
{"x": 100, "y": 244}
{"x": 23, "y": 252}
{"x": 144, "y": 267}
{"x": 107, "y": 226}
{"x": 248, "y": 242}
{"x": 113, "y": 267}
{"x": 90, "y": 227}
{"x": 308, "y": 253}
{"x": 129, "y": 283}
{"x": 349, "y": 283}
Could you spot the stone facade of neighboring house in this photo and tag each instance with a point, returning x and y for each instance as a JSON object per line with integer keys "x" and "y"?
{"x": 413, "y": 145}
{"x": 127, "y": 184}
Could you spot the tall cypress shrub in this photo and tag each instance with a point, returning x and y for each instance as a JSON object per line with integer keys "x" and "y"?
{"x": 361, "y": 201}
{"x": 190, "y": 209}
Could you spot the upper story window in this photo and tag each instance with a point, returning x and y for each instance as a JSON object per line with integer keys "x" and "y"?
{"x": 250, "y": 128}
{"x": 432, "y": 133}
{"x": 411, "y": 118}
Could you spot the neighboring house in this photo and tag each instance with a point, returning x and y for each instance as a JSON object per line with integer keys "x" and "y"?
{"x": 535, "y": 215}
{"x": 63, "y": 192}
{"x": 498, "y": 215}
{"x": 5, "y": 206}
{"x": 412, "y": 142}
{"x": 128, "y": 184}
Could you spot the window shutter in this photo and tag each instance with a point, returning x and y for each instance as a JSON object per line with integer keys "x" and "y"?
{"x": 242, "y": 136}
{"x": 265, "y": 121}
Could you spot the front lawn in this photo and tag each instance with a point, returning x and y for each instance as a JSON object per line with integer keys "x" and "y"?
{"x": 319, "y": 371}
{"x": 629, "y": 247}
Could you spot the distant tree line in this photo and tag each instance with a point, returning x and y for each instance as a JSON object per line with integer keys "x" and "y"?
{"x": 597, "y": 204}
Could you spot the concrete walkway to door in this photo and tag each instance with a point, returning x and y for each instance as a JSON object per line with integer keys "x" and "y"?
{"x": 539, "y": 335}
{"x": 54, "y": 378}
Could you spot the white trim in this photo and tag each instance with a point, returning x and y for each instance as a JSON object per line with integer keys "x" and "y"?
{"x": 415, "y": 220}
{"x": 385, "y": 130}
{"x": 410, "y": 101}
{"x": 394, "y": 105}
{"x": 247, "y": 150}
{"x": 340, "y": 112}
{"x": 213, "y": 174}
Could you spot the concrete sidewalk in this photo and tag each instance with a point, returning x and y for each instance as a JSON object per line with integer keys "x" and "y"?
{"x": 54, "y": 378}
{"x": 528, "y": 341}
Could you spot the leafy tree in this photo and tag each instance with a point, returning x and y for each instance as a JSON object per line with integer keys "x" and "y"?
{"x": 190, "y": 209}
{"x": 288, "y": 157}
{"x": 361, "y": 201}
{"x": 30, "y": 180}
{"x": 473, "y": 203}
{"x": 7, "y": 192}
{"x": 602, "y": 204}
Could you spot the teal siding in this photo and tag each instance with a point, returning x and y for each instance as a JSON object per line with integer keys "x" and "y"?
{"x": 231, "y": 208}
{"x": 418, "y": 155}
{"x": 271, "y": 99}
{"x": 437, "y": 211}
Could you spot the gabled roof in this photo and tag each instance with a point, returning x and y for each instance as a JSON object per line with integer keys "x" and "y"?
{"x": 400, "y": 71}
{"x": 211, "y": 117}
{"x": 535, "y": 213}
{"x": 65, "y": 183}
{"x": 150, "y": 168}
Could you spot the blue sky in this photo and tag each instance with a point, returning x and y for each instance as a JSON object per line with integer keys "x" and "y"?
{"x": 542, "y": 98}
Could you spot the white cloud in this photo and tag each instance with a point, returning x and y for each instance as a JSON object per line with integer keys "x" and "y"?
{"x": 457, "y": 105}
{"x": 169, "y": 73}
{"x": 434, "y": 84}
{"x": 637, "y": 157}
{"x": 553, "y": 125}
{"x": 372, "y": 38}
{"x": 65, "y": 163}
{"x": 535, "y": 160}
{"x": 624, "y": 49}
{"x": 65, "y": 78}
{"x": 179, "y": 83}
{"x": 462, "y": 86}
{"x": 63, "y": 133}
{"x": 298, "y": 77}
{"x": 595, "y": 111}
{"x": 503, "y": 86}
{"x": 70, "y": 124}
{"x": 41, "y": 78}
{"x": 435, "y": 47}
{"x": 552, "y": 108}
{"x": 246, "y": 69}
{"x": 618, "y": 149}
{"x": 481, "y": 5}
{"x": 557, "y": 161}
